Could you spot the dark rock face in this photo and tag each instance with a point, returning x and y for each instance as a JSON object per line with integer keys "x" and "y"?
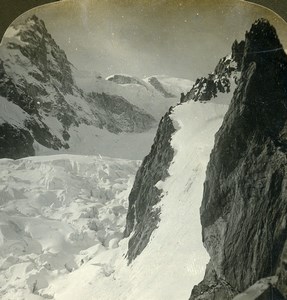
{"x": 125, "y": 79}
{"x": 142, "y": 217}
{"x": 244, "y": 205}
{"x": 45, "y": 54}
{"x": 264, "y": 289}
{"x": 15, "y": 142}
{"x": 237, "y": 52}
{"x": 159, "y": 87}
{"x": 118, "y": 115}
{"x": 8, "y": 89}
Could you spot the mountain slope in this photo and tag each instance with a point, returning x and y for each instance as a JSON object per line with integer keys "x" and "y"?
{"x": 37, "y": 77}
{"x": 137, "y": 91}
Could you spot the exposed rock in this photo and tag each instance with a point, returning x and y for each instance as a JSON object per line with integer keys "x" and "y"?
{"x": 125, "y": 79}
{"x": 207, "y": 88}
{"x": 244, "y": 206}
{"x": 237, "y": 52}
{"x": 142, "y": 217}
{"x": 159, "y": 87}
{"x": 118, "y": 115}
{"x": 263, "y": 289}
{"x": 39, "y": 47}
{"x": 15, "y": 142}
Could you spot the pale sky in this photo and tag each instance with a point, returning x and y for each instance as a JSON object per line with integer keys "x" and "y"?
{"x": 142, "y": 38}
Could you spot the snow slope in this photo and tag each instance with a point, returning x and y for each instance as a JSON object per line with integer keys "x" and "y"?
{"x": 56, "y": 213}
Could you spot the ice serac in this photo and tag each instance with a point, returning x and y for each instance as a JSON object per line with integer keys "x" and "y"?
{"x": 244, "y": 207}
{"x": 36, "y": 82}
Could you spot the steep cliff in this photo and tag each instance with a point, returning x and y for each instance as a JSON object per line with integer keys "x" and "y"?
{"x": 243, "y": 212}
{"x": 143, "y": 217}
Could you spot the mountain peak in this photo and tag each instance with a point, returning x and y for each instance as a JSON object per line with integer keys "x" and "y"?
{"x": 32, "y": 39}
{"x": 262, "y": 43}
{"x": 32, "y": 26}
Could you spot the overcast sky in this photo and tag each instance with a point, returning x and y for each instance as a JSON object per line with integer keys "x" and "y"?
{"x": 142, "y": 38}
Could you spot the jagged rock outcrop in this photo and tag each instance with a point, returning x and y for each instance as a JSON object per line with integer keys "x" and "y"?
{"x": 159, "y": 87}
{"x": 142, "y": 218}
{"x": 225, "y": 73}
{"x": 237, "y": 52}
{"x": 244, "y": 207}
{"x": 36, "y": 75}
{"x": 125, "y": 79}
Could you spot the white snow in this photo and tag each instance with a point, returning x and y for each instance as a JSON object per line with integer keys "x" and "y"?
{"x": 52, "y": 209}
{"x": 12, "y": 32}
{"x": 11, "y": 113}
{"x": 175, "y": 258}
{"x": 62, "y": 218}
{"x": 90, "y": 140}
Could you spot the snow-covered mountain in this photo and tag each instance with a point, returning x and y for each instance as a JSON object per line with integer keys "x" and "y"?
{"x": 139, "y": 92}
{"x": 43, "y": 110}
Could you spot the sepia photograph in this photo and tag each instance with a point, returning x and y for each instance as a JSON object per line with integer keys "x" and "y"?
{"x": 143, "y": 150}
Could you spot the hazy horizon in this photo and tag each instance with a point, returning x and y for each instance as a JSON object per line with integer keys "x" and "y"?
{"x": 181, "y": 39}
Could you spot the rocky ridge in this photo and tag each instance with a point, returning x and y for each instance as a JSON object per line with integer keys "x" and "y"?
{"x": 243, "y": 212}
{"x": 159, "y": 87}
